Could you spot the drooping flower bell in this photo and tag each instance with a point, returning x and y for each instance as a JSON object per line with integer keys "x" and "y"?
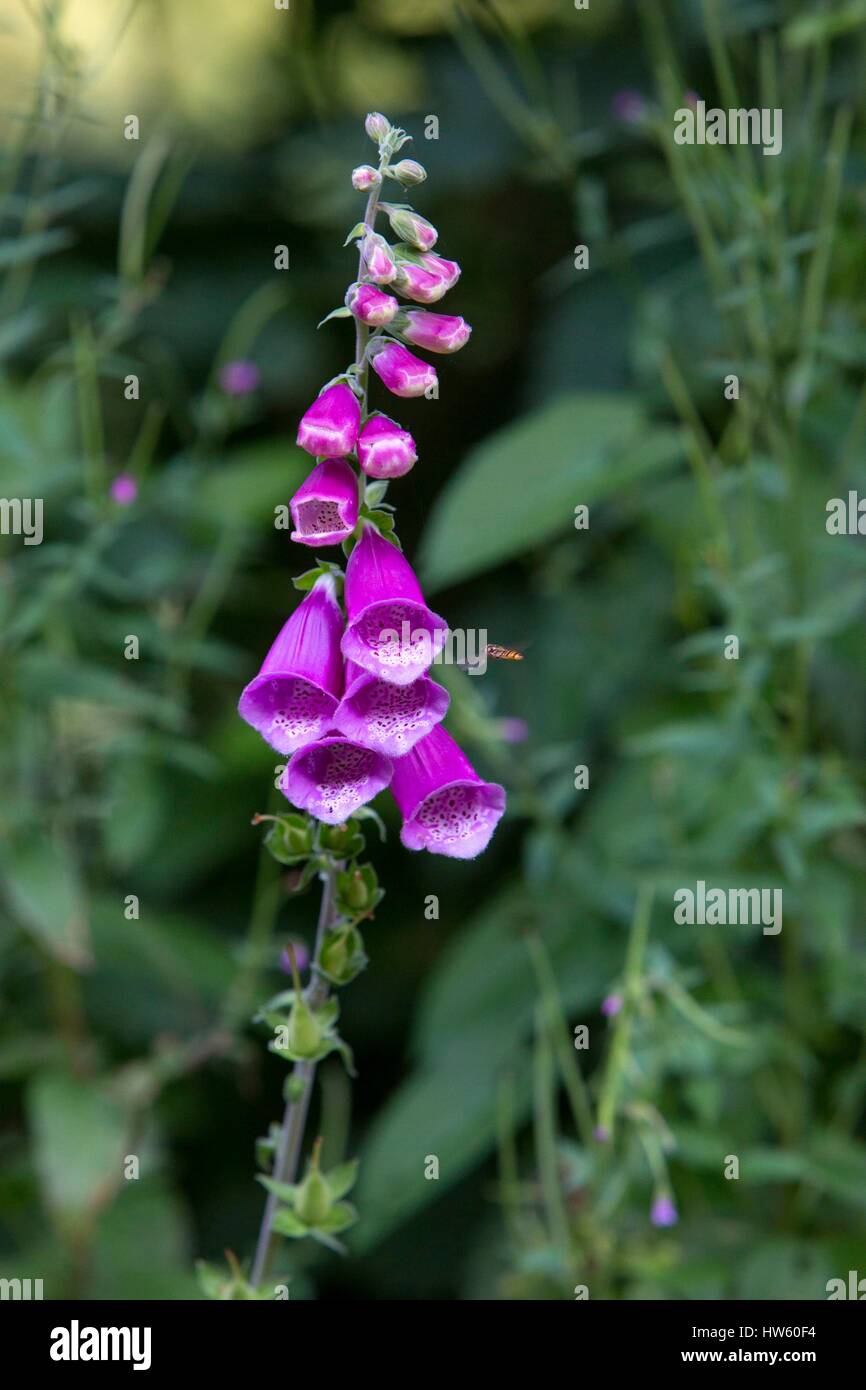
{"x": 400, "y": 370}
{"x": 446, "y": 807}
{"x": 325, "y": 507}
{"x": 293, "y": 698}
{"x": 435, "y": 332}
{"x": 371, "y": 305}
{"x": 384, "y": 449}
{"x": 388, "y": 717}
{"x": 333, "y": 776}
{"x": 390, "y": 630}
{"x": 329, "y": 428}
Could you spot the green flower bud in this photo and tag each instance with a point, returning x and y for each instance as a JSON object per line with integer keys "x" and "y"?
{"x": 289, "y": 839}
{"x": 305, "y": 1035}
{"x": 356, "y": 893}
{"x": 342, "y": 956}
{"x": 313, "y": 1200}
{"x": 408, "y": 171}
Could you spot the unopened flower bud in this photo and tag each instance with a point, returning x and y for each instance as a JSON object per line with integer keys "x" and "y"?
{"x": 371, "y": 305}
{"x": 401, "y": 371}
{"x": 365, "y": 177}
{"x": 377, "y": 126}
{"x": 435, "y": 332}
{"x": 415, "y": 230}
{"x": 384, "y": 449}
{"x": 313, "y": 1200}
{"x": 408, "y": 171}
{"x": 376, "y": 254}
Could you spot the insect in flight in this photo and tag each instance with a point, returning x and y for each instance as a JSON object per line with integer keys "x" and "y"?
{"x": 497, "y": 653}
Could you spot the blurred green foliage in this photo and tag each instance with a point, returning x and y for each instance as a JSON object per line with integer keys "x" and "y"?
{"x": 129, "y": 1037}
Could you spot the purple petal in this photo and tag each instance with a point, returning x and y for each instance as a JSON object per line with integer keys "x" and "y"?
{"x": 391, "y": 632}
{"x": 446, "y": 807}
{"x": 325, "y": 507}
{"x": 332, "y": 777}
{"x": 293, "y": 698}
{"x": 389, "y": 717}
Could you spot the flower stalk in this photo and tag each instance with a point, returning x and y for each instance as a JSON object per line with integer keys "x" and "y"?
{"x": 344, "y": 693}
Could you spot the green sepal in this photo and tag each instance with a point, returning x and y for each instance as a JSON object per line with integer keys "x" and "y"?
{"x": 342, "y": 313}
{"x": 286, "y": 1223}
{"x": 289, "y": 839}
{"x": 367, "y": 813}
{"x": 304, "y": 582}
{"x": 284, "y": 1190}
{"x": 357, "y": 231}
{"x": 342, "y": 956}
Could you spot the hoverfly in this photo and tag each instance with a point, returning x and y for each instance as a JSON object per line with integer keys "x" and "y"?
{"x": 497, "y": 653}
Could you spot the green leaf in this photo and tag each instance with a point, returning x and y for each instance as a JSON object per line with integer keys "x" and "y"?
{"x": 42, "y": 885}
{"x": 80, "y": 1137}
{"x": 520, "y": 487}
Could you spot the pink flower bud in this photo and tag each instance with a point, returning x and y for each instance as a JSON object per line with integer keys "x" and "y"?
{"x": 408, "y": 171}
{"x": 330, "y": 427}
{"x": 417, "y": 231}
{"x": 371, "y": 306}
{"x": 401, "y": 371}
{"x": 384, "y": 449}
{"x": 377, "y": 126}
{"x": 414, "y": 282}
{"x": 325, "y": 507}
{"x": 435, "y": 332}
{"x": 376, "y": 254}
{"x": 449, "y": 271}
{"x": 365, "y": 177}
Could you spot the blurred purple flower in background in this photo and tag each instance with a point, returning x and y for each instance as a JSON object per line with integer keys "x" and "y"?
{"x": 124, "y": 489}
{"x": 239, "y": 378}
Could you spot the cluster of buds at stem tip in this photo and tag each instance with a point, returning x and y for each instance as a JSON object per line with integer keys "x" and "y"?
{"x": 344, "y": 691}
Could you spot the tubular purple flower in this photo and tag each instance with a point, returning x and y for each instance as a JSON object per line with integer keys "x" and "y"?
{"x": 376, "y": 254}
{"x": 329, "y": 428}
{"x": 325, "y": 507}
{"x": 414, "y": 282}
{"x": 400, "y": 370}
{"x": 435, "y": 332}
{"x": 446, "y": 807}
{"x": 384, "y": 449}
{"x": 388, "y": 717}
{"x": 293, "y": 698}
{"x": 365, "y": 177}
{"x": 333, "y": 776}
{"x": 370, "y": 305}
{"x": 390, "y": 630}
{"x": 411, "y": 228}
